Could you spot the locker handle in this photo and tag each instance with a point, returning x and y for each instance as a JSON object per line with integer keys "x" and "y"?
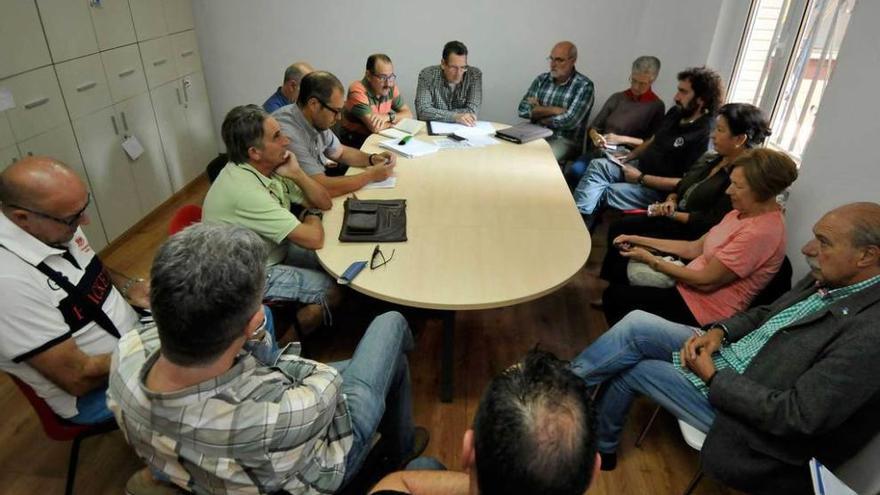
{"x": 36, "y": 103}
{"x": 185, "y": 92}
{"x": 87, "y": 86}
{"x": 179, "y": 101}
{"x": 115, "y": 128}
{"x": 126, "y": 72}
{"x": 157, "y": 63}
{"x": 124, "y": 122}
{"x": 187, "y": 53}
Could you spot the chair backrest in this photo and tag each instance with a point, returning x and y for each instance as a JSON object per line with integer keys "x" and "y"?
{"x": 55, "y": 427}
{"x": 213, "y": 169}
{"x": 184, "y": 217}
{"x": 860, "y": 473}
{"x": 779, "y": 285}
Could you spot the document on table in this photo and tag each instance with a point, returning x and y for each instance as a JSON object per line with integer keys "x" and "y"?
{"x": 405, "y": 127}
{"x": 482, "y": 128}
{"x": 388, "y": 183}
{"x": 451, "y": 144}
{"x": 824, "y": 481}
{"x": 411, "y": 149}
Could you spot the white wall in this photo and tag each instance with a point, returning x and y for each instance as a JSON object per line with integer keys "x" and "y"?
{"x": 840, "y": 163}
{"x": 246, "y": 45}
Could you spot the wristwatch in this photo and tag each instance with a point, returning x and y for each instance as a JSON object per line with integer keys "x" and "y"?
{"x": 391, "y": 116}
{"x": 313, "y": 211}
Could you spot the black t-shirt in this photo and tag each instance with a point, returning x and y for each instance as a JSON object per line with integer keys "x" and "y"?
{"x": 676, "y": 146}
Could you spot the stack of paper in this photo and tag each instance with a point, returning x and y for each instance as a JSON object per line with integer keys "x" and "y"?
{"x": 824, "y": 481}
{"x": 481, "y": 128}
{"x": 412, "y": 149}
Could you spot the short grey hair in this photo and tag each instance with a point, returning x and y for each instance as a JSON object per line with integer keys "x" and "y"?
{"x": 207, "y": 282}
{"x": 646, "y": 64}
{"x": 865, "y": 217}
{"x": 295, "y": 72}
{"x": 242, "y": 129}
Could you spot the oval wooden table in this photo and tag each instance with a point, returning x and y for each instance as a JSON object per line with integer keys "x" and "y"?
{"x": 487, "y": 227}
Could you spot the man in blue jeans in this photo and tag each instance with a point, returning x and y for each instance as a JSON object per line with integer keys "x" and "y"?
{"x": 208, "y": 400}
{"x": 772, "y": 386}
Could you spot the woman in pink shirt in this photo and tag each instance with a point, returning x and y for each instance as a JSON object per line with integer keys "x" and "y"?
{"x": 729, "y": 265}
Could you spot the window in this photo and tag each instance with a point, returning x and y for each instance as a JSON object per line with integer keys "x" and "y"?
{"x": 786, "y": 58}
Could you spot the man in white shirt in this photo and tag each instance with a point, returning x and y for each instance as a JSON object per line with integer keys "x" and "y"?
{"x": 62, "y": 310}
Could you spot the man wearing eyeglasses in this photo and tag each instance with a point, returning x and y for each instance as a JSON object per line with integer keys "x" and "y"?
{"x": 451, "y": 91}
{"x": 561, "y": 100}
{"x": 62, "y": 311}
{"x": 308, "y": 126}
{"x": 374, "y": 103}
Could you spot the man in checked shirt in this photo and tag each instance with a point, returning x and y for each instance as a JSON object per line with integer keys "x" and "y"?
{"x": 212, "y": 405}
{"x": 561, "y": 100}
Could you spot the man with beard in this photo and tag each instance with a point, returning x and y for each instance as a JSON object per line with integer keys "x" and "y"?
{"x": 561, "y": 100}
{"x": 308, "y": 127}
{"x": 647, "y": 173}
{"x": 772, "y": 386}
{"x": 374, "y": 103}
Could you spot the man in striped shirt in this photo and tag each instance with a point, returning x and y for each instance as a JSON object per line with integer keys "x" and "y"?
{"x": 772, "y": 386}
{"x": 561, "y": 100}
{"x": 212, "y": 405}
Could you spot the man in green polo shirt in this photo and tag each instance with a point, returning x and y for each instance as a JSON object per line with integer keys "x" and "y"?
{"x": 255, "y": 190}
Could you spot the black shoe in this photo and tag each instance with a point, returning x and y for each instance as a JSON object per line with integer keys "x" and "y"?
{"x": 421, "y": 437}
{"x": 609, "y": 461}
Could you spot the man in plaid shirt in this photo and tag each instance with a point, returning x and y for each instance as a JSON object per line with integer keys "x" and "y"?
{"x": 561, "y": 100}
{"x": 772, "y": 386}
{"x": 212, "y": 405}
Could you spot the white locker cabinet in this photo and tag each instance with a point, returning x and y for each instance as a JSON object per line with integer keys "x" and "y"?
{"x": 159, "y": 64}
{"x": 112, "y": 22}
{"x": 149, "y": 171}
{"x": 38, "y": 103}
{"x": 125, "y": 73}
{"x": 113, "y": 187}
{"x": 201, "y": 125}
{"x": 6, "y": 136}
{"x": 59, "y": 143}
{"x": 20, "y": 28}
{"x": 8, "y": 156}
{"x": 84, "y": 86}
{"x": 68, "y": 27}
{"x": 149, "y": 19}
{"x": 179, "y": 14}
{"x": 186, "y": 52}
{"x": 173, "y": 128}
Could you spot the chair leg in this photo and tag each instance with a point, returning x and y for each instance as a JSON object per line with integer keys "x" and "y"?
{"x": 647, "y": 427}
{"x": 71, "y": 466}
{"x": 694, "y": 481}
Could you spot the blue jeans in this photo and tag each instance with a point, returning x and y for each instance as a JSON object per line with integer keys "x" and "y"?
{"x": 633, "y": 356}
{"x": 299, "y": 278}
{"x": 375, "y": 382}
{"x": 603, "y": 183}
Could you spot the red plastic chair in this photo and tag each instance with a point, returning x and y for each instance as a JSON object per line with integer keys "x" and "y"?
{"x": 61, "y": 430}
{"x": 184, "y": 217}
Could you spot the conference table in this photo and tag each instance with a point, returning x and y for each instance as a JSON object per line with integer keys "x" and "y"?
{"x": 487, "y": 227}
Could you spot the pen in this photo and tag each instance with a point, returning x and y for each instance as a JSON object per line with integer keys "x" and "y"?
{"x": 404, "y": 140}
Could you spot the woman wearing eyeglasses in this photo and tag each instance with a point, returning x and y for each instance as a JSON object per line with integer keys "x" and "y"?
{"x": 374, "y": 103}
{"x": 626, "y": 119}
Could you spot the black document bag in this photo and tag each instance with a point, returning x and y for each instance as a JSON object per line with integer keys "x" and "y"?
{"x": 374, "y": 220}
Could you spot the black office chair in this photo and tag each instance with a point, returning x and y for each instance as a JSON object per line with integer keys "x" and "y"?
{"x": 213, "y": 169}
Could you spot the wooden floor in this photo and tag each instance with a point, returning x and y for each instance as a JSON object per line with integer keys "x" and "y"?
{"x": 486, "y": 343}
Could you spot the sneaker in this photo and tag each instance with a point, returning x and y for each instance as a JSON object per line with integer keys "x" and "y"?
{"x": 143, "y": 483}
{"x": 609, "y": 460}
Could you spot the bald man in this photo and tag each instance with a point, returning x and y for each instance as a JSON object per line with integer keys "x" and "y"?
{"x": 772, "y": 386}
{"x": 62, "y": 310}
{"x": 288, "y": 92}
{"x": 560, "y": 100}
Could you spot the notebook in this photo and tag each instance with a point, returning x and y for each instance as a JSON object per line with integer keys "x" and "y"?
{"x": 405, "y": 127}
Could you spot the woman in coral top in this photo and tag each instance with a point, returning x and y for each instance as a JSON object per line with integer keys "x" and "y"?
{"x": 729, "y": 265}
